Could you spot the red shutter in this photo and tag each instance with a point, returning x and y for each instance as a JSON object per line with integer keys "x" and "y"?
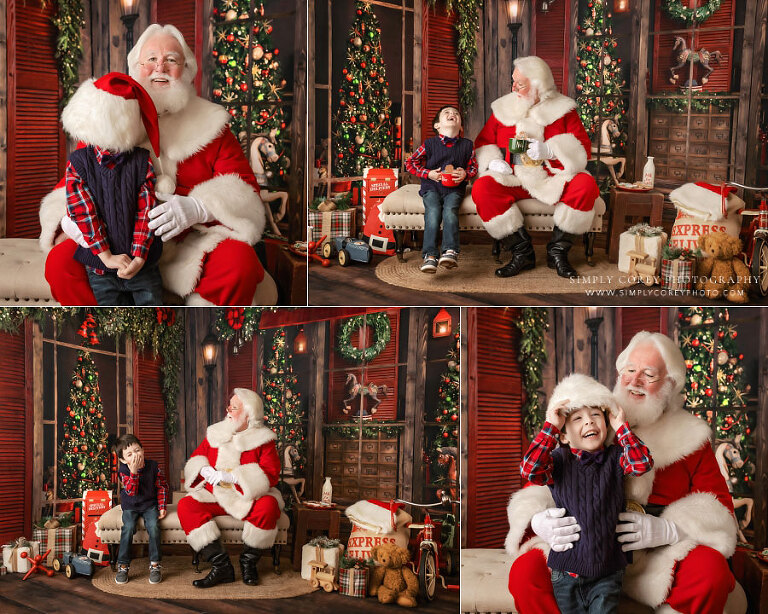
{"x": 15, "y": 441}
{"x": 631, "y": 320}
{"x": 381, "y": 371}
{"x": 439, "y": 66}
{"x": 35, "y": 140}
{"x": 241, "y": 368}
{"x": 495, "y": 442}
{"x": 188, "y": 18}
{"x": 553, "y": 42}
{"x": 149, "y": 408}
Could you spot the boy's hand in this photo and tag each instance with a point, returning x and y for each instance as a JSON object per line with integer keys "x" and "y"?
{"x": 132, "y": 269}
{"x": 618, "y": 418}
{"x": 555, "y": 415}
{"x": 112, "y": 261}
{"x": 435, "y": 175}
{"x": 162, "y": 514}
{"x": 459, "y": 175}
{"x": 136, "y": 463}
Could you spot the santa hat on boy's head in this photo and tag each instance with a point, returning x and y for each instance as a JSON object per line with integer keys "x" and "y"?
{"x": 582, "y": 391}
{"x": 707, "y": 201}
{"x": 109, "y": 112}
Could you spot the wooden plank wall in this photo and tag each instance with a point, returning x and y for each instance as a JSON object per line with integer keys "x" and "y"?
{"x": 760, "y": 515}
{"x": 3, "y": 115}
{"x": 297, "y": 178}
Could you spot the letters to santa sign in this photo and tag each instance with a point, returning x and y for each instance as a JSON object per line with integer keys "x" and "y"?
{"x": 377, "y": 183}
{"x": 95, "y": 504}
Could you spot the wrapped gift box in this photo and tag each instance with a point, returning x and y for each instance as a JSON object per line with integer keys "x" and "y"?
{"x": 677, "y": 274}
{"x": 59, "y": 540}
{"x": 322, "y": 549}
{"x": 353, "y": 582}
{"x": 630, "y": 241}
{"x": 12, "y": 559}
{"x": 332, "y": 224}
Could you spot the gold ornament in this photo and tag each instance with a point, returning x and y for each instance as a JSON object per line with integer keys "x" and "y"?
{"x": 722, "y": 357}
{"x": 695, "y": 319}
{"x": 258, "y": 52}
{"x": 273, "y": 370}
{"x": 231, "y": 14}
{"x": 357, "y": 41}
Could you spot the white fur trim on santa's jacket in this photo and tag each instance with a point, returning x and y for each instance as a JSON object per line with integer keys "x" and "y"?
{"x": 485, "y": 154}
{"x": 203, "y": 535}
{"x": 569, "y": 152}
{"x": 521, "y": 508}
{"x": 237, "y": 207}
{"x": 52, "y": 208}
{"x": 508, "y": 111}
{"x": 504, "y": 224}
{"x": 376, "y": 518}
{"x": 258, "y": 538}
{"x": 702, "y": 203}
{"x": 572, "y": 220}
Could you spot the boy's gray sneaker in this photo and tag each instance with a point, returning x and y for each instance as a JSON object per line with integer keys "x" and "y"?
{"x": 429, "y": 265}
{"x": 449, "y": 259}
{"x": 122, "y": 574}
{"x": 155, "y": 574}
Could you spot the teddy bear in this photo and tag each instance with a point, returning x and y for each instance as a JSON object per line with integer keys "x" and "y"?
{"x": 720, "y": 270}
{"x": 392, "y": 580}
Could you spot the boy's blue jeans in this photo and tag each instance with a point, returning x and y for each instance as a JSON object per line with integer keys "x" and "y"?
{"x": 130, "y": 520}
{"x": 439, "y": 208}
{"x": 145, "y": 288}
{"x": 584, "y": 594}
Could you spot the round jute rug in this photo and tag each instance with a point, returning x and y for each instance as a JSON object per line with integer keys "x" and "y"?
{"x": 475, "y": 273}
{"x": 178, "y": 574}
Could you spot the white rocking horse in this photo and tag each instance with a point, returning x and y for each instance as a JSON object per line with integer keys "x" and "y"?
{"x": 609, "y": 128}
{"x": 728, "y": 452}
{"x": 288, "y": 474}
{"x": 263, "y": 148}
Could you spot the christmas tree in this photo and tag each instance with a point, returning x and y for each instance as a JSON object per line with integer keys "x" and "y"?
{"x": 362, "y": 131}
{"x": 599, "y": 80}
{"x": 282, "y": 403}
{"x": 715, "y": 388}
{"x": 83, "y": 452}
{"x": 247, "y": 78}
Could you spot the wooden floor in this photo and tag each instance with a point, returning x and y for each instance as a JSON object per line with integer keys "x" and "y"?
{"x": 58, "y": 594}
{"x": 358, "y": 285}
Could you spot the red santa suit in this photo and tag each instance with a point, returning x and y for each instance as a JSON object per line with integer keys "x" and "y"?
{"x": 249, "y": 455}
{"x": 561, "y": 182}
{"x": 202, "y": 159}
{"x": 686, "y": 480}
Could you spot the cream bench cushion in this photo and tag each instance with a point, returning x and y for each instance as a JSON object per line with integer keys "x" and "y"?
{"x": 22, "y": 274}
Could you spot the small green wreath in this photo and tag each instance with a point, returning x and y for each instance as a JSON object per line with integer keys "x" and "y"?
{"x": 676, "y": 10}
{"x": 381, "y": 334}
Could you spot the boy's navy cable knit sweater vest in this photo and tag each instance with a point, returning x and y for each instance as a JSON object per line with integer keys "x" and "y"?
{"x": 439, "y": 156}
{"x": 146, "y": 493}
{"x": 115, "y": 192}
{"x": 590, "y": 489}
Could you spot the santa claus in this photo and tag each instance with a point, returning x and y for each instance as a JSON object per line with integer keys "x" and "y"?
{"x": 686, "y": 531}
{"x": 212, "y": 215}
{"x": 550, "y": 169}
{"x": 234, "y": 472}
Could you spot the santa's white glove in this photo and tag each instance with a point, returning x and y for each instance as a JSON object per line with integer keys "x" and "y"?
{"x": 176, "y": 215}
{"x": 539, "y": 150}
{"x": 500, "y": 166}
{"x": 207, "y": 472}
{"x": 555, "y": 528}
{"x": 641, "y": 531}
{"x": 222, "y": 477}
{"x": 70, "y": 229}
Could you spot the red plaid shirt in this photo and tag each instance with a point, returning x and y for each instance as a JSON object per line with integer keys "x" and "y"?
{"x": 415, "y": 164}
{"x": 82, "y": 209}
{"x": 131, "y": 485}
{"x": 537, "y": 465}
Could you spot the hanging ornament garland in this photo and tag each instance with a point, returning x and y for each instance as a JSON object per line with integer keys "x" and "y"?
{"x": 676, "y": 10}
{"x": 533, "y": 323}
{"x": 382, "y": 331}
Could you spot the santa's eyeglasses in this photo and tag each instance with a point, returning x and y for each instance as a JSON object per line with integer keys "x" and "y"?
{"x": 152, "y": 62}
{"x": 648, "y": 376}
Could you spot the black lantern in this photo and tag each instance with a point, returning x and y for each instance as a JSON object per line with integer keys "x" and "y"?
{"x": 129, "y": 13}
{"x": 514, "y": 22}
{"x": 210, "y": 355}
{"x": 593, "y": 322}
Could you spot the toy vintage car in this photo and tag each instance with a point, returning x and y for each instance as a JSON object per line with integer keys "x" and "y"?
{"x": 74, "y": 565}
{"x": 348, "y": 250}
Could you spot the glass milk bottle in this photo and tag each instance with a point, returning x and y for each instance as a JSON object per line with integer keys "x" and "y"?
{"x": 649, "y": 172}
{"x": 327, "y": 496}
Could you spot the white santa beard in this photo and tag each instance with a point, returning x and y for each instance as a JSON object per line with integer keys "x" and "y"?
{"x": 646, "y": 410}
{"x": 169, "y": 99}
{"x": 521, "y": 104}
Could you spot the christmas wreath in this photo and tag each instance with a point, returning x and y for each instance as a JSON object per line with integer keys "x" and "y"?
{"x": 381, "y": 334}
{"x": 676, "y": 10}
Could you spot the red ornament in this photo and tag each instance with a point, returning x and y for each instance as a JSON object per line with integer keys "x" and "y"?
{"x": 230, "y": 38}
{"x": 708, "y": 392}
{"x": 277, "y": 51}
{"x": 74, "y": 449}
{"x": 445, "y": 435}
{"x": 362, "y": 64}
{"x": 244, "y": 87}
{"x": 223, "y": 59}
{"x": 454, "y": 417}
{"x": 71, "y": 414}
{"x": 696, "y": 343}
{"x": 82, "y": 433}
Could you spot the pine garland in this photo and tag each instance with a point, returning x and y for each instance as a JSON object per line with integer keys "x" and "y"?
{"x": 381, "y": 335}
{"x": 533, "y": 323}
{"x": 698, "y": 103}
{"x": 370, "y": 430}
{"x": 676, "y": 10}
{"x": 69, "y": 20}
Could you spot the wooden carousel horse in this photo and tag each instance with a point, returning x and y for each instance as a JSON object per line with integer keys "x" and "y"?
{"x": 682, "y": 55}
{"x": 263, "y": 149}
{"x": 447, "y": 458}
{"x": 609, "y": 128}
{"x": 289, "y": 475}
{"x": 728, "y": 452}
{"x": 357, "y": 391}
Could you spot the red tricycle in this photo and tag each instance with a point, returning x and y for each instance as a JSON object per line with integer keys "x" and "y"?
{"x": 755, "y": 239}
{"x": 431, "y": 559}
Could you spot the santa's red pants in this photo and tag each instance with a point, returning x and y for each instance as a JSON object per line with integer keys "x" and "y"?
{"x": 193, "y": 514}
{"x": 693, "y": 591}
{"x": 229, "y": 275}
{"x": 492, "y": 198}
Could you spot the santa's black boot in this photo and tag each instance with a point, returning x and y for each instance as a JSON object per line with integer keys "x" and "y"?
{"x": 221, "y": 567}
{"x": 249, "y": 562}
{"x": 557, "y": 253}
{"x": 523, "y": 256}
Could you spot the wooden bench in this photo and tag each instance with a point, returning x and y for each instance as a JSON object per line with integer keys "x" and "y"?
{"x": 403, "y": 210}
